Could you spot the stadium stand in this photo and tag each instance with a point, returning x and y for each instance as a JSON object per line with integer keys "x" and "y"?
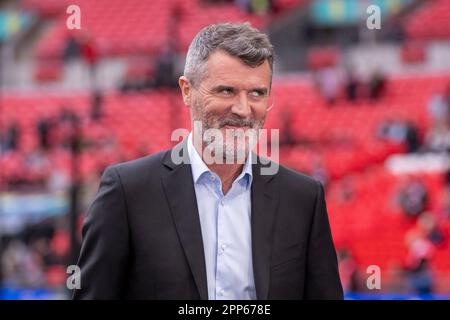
{"x": 430, "y": 21}
{"x": 337, "y": 143}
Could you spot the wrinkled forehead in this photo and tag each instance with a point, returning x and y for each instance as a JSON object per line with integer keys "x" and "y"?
{"x": 224, "y": 69}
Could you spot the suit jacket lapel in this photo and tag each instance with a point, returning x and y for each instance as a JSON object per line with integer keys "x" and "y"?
{"x": 180, "y": 193}
{"x": 265, "y": 197}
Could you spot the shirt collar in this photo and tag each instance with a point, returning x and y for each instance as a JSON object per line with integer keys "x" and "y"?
{"x": 199, "y": 167}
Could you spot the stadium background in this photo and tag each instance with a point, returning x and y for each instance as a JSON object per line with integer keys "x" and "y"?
{"x": 366, "y": 112}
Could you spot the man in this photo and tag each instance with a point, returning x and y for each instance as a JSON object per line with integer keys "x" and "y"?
{"x": 202, "y": 229}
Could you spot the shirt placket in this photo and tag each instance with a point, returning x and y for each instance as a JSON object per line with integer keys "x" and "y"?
{"x": 221, "y": 273}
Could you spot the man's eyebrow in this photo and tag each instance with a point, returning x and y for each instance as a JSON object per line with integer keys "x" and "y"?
{"x": 261, "y": 89}
{"x": 222, "y": 87}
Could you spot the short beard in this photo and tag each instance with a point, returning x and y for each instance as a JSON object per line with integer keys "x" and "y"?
{"x": 235, "y": 145}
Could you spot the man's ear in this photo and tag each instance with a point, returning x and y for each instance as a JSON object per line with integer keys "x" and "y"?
{"x": 186, "y": 90}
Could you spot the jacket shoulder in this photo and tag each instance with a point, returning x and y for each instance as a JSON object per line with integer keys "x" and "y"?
{"x": 138, "y": 168}
{"x": 297, "y": 177}
{"x": 289, "y": 176}
{"x": 296, "y": 183}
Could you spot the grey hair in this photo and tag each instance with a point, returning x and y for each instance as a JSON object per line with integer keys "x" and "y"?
{"x": 237, "y": 39}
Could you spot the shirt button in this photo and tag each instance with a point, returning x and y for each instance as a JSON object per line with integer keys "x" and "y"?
{"x": 221, "y": 202}
{"x": 221, "y": 292}
{"x": 212, "y": 178}
{"x": 223, "y": 246}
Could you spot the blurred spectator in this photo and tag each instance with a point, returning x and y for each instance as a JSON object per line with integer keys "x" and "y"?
{"x": 329, "y": 84}
{"x": 420, "y": 252}
{"x": 398, "y": 279}
{"x": 65, "y": 115}
{"x": 22, "y": 266}
{"x": 394, "y": 130}
{"x": 413, "y": 197}
{"x": 37, "y": 164}
{"x": 58, "y": 180}
{"x": 376, "y": 85}
{"x": 438, "y": 138}
{"x": 96, "y": 105}
{"x": 134, "y": 83}
{"x": 40, "y": 247}
{"x": 44, "y": 127}
{"x": 351, "y": 87}
{"x": 165, "y": 69}
{"x": 447, "y": 179}
{"x": 32, "y": 256}
{"x": 428, "y": 227}
{"x": 12, "y": 137}
{"x": 71, "y": 49}
{"x": 438, "y": 109}
{"x": 139, "y": 75}
{"x": 90, "y": 56}
{"x": 412, "y": 137}
{"x": 68, "y": 120}
{"x": 400, "y": 132}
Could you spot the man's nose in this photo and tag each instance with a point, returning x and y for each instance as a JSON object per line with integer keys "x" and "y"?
{"x": 241, "y": 106}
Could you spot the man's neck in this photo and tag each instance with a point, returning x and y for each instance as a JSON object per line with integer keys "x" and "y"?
{"x": 226, "y": 172}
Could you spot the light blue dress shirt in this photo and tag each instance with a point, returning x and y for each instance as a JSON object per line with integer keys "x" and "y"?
{"x": 226, "y": 230}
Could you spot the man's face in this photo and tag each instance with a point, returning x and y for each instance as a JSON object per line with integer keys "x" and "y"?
{"x": 231, "y": 96}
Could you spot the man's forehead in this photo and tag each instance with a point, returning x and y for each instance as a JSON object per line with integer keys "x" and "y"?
{"x": 222, "y": 67}
{"x": 222, "y": 60}
{"x": 237, "y": 82}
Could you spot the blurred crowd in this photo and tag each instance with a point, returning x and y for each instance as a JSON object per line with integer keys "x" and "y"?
{"x": 38, "y": 255}
{"x": 337, "y": 84}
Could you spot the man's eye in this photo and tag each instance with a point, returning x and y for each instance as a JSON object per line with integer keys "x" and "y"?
{"x": 227, "y": 91}
{"x": 257, "y": 93}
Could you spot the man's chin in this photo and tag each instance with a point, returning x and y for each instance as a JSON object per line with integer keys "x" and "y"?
{"x": 222, "y": 155}
{"x": 235, "y": 155}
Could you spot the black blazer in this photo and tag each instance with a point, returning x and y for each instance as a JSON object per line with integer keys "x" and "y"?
{"x": 142, "y": 236}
